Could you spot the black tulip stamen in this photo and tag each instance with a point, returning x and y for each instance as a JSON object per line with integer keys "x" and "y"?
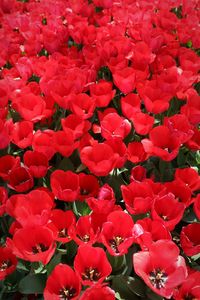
{"x": 63, "y": 233}
{"x": 67, "y": 293}
{"x": 39, "y": 248}
{"x": 158, "y": 278}
{"x": 115, "y": 242}
{"x": 5, "y": 264}
{"x": 91, "y": 274}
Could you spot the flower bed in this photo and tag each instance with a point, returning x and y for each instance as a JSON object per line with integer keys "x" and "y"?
{"x": 99, "y": 149}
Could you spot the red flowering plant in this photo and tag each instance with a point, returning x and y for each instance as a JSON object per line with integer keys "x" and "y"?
{"x": 99, "y": 149}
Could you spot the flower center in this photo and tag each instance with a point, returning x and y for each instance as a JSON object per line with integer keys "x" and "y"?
{"x": 63, "y": 233}
{"x": 67, "y": 293}
{"x": 176, "y": 239}
{"x": 39, "y": 248}
{"x": 189, "y": 297}
{"x": 91, "y": 274}
{"x": 84, "y": 192}
{"x": 158, "y": 278}
{"x": 85, "y": 238}
{"x": 115, "y": 242}
{"x": 165, "y": 218}
{"x": 5, "y": 264}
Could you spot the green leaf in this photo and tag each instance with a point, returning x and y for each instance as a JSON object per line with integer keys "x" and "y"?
{"x": 32, "y": 284}
{"x": 11, "y": 281}
{"x": 104, "y": 73}
{"x": 191, "y": 159}
{"x": 195, "y": 257}
{"x": 182, "y": 157}
{"x": 117, "y": 296}
{"x": 136, "y": 285}
{"x": 198, "y": 157}
{"x": 129, "y": 260}
{"x": 197, "y": 268}
{"x": 38, "y": 267}
{"x": 175, "y": 105}
{"x": 123, "y": 292}
{"x": 81, "y": 168}
{"x": 118, "y": 263}
{"x": 190, "y": 216}
{"x": 7, "y": 65}
{"x": 71, "y": 248}
{"x": 115, "y": 181}
{"x": 2, "y": 290}
{"x": 66, "y": 164}
{"x": 166, "y": 171}
{"x": 43, "y": 52}
{"x": 34, "y": 78}
{"x": 98, "y": 9}
{"x": 197, "y": 85}
{"x": 139, "y": 217}
{"x": 54, "y": 262}
{"x": 23, "y": 265}
{"x": 177, "y": 11}
{"x": 153, "y": 296}
{"x": 189, "y": 44}
{"x": 119, "y": 171}
{"x": 81, "y": 208}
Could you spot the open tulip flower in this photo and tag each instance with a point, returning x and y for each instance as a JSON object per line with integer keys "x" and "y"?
{"x": 100, "y": 149}
{"x": 164, "y": 274}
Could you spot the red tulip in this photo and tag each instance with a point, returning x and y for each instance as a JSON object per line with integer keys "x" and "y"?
{"x": 61, "y": 222}
{"x": 89, "y": 186}
{"x": 30, "y": 107}
{"x": 7, "y": 164}
{"x": 37, "y": 163}
{"x": 33, "y": 208}
{"x": 105, "y": 201}
{"x": 65, "y": 185}
{"x": 8, "y": 262}
{"x": 189, "y": 239}
{"x": 112, "y": 125}
{"x": 63, "y": 142}
{"x": 164, "y": 274}
{"x": 190, "y": 288}
{"x": 62, "y": 283}
{"x": 147, "y": 231}
{"x": 98, "y": 292}
{"x": 168, "y": 210}
{"x": 102, "y": 93}
{"x": 130, "y": 105}
{"x": 99, "y": 158}
{"x": 22, "y": 134}
{"x": 125, "y": 79}
{"x": 82, "y": 105}
{"x": 116, "y": 233}
{"x": 91, "y": 265}
{"x": 43, "y": 142}
{"x": 161, "y": 143}
{"x": 84, "y": 232}
{"x": 3, "y": 199}
{"x": 138, "y": 197}
{"x": 77, "y": 124}
{"x": 33, "y": 244}
{"x": 20, "y": 180}
{"x": 136, "y": 152}
{"x": 190, "y": 177}
{"x": 197, "y": 206}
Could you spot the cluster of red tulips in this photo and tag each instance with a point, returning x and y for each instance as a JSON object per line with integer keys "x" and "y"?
{"x": 99, "y": 149}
